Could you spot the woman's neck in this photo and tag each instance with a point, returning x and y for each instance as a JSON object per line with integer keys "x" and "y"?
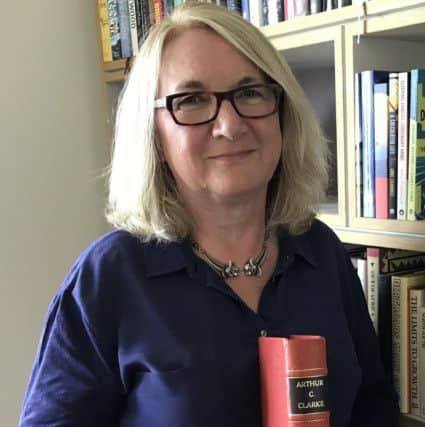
{"x": 233, "y": 231}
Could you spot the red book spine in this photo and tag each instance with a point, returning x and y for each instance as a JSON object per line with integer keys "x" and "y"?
{"x": 294, "y": 381}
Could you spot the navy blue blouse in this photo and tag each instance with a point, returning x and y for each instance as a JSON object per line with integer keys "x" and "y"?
{"x": 146, "y": 334}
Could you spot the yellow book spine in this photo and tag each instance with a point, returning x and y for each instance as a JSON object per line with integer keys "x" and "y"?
{"x": 104, "y": 30}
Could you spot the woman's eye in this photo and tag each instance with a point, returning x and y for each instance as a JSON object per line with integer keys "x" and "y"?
{"x": 250, "y": 94}
{"x": 192, "y": 101}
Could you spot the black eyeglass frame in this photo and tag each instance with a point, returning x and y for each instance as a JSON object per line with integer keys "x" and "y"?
{"x": 167, "y": 101}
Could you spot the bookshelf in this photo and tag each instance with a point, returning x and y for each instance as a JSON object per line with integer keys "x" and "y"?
{"x": 325, "y": 50}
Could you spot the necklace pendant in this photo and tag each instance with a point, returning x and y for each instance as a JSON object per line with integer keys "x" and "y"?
{"x": 252, "y": 269}
{"x": 230, "y": 270}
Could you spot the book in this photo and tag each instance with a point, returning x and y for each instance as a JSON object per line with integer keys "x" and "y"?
{"x": 301, "y": 7}
{"x": 358, "y": 145}
{"x": 392, "y": 145}
{"x": 102, "y": 6}
{"x": 372, "y": 258}
{"x": 400, "y": 285}
{"x": 421, "y": 356}
{"x": 265, "y": 6}
{"x": 125, "y": 35}
{"x": 114, "y": 29}
{"x": 368, "y": 79}
{"x": 235, "y": 6}
{"x": 402, "y": 144}
{"x": 158, "y": 11}
{"x": 275, "y": 11}
{"x": 245, "y": 9}
{"x": 288, "y": 9}
{"x": 256, "y": 12}
{"x": 294, "y": 381}
{"x": 416, "y": 163}
{"x": 315, "y": 6}
{"x": 380, "y": 107}
{"x": 132, "y": 16}
{"x": 416, "y": 300}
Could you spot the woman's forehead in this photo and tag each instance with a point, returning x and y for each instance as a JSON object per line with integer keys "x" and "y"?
{"x": 201, "y": 55}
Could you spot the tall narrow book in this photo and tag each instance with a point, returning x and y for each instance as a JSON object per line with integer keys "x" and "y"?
{"x": 417, "y": 300}
{"x": 294, "y": 381}
{"x": 392, "y": 145}
{"x": 368, "y": 79}
{"x": 102, "y": 6}
{"x": 416, "y": 163}
{"x": 380, "y": 96}
{"x": 400, "y": 285}
{"x": 402, "y": 147}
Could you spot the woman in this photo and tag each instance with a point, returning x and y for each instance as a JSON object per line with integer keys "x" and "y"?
{"x": 217, "y": 157}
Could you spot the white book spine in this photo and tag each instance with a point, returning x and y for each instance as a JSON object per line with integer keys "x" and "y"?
{"x": 402, "y": 151}
{"x": 133, "y": 26}
{"x": 256, "y": 12}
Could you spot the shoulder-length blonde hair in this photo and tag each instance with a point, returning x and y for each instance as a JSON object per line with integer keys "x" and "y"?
{"x": 143, "y": 197}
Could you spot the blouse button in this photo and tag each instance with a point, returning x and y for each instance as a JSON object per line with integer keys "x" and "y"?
{"x": 263, "y": 332}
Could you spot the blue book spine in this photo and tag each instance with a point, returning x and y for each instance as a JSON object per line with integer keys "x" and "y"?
{"x": 245, "y": 9}
{"x": 124, "y": 20}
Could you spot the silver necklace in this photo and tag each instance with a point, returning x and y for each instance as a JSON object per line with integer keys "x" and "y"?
{"x": 252, "y": 268}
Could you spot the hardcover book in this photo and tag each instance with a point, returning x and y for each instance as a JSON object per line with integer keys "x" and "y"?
{"x": 114, "y": 29}
{"x": 104, "y": 30}
{"x": 416, "y": 163}
{"x": 294, "y": 381}
{"x": 403, "y": 141}
{"x": 125, "y": 31}
{"x": 368, "y": 79}
{"x": 380, "y": 94}
{"x": 392, "y": 145}
{"x": 400, "y": 286}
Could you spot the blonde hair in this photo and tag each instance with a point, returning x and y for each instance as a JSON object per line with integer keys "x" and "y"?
{"x": 143, "y": 198}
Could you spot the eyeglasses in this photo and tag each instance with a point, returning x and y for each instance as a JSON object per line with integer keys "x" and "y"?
{"x": 196, "y": 108}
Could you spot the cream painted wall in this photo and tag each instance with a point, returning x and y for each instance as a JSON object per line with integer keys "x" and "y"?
{"x": 53, "y": 144}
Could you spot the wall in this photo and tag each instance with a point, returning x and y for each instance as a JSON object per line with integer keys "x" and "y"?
{"x": 53, "y": 145}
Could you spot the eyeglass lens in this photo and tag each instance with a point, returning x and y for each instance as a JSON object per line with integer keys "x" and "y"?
{"x": 198, "y": 107}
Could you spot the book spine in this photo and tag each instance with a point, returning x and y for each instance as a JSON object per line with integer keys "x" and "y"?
{"x": 125, "y": 34}
{"x": 293, "y": 376}
{"x": 315, "y": 6}
{"x": 132, "y": 14}
{"x": 358, "y": 145}
{"x": 416, "y": 183}
{"x": 380, "y": 93}
{"x": 421, "y": 329}
{"x": 245, "y": 9}
{"x": 392, "y": 145}
{"x": 114, "y": 29}
{"x": 265, "y": 12}
{"x": 413, "y": 338}
{"x": 289, "y": 9}
{"x": 420, "y": 150}
{"x": 395, "y": 327}
{"x": 372, "y": 257}
{"x": 256, "y": 12}
{"x": 411, "y": 174}
{"x": 403, "y": 138}
{"x": 384, "y": 320}
{"x": 368, "y": 154}
{"x": 301, "y": 7}
{"x": 272, "y": 6}
{"x": 102, "y": 6}
{"x": 235, "y": 6}
{"x": 158, "y": 7}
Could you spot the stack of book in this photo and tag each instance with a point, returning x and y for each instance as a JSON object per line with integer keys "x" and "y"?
{"x": 124, "y": 23}
{"x": 394, "y": 284}
{"x": 390, "y": 144}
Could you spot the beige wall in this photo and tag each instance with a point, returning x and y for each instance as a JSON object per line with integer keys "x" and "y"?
{"x": 52, "y": 146}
